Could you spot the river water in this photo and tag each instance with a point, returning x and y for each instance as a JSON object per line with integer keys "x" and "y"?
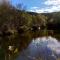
{"x": 37, "y": 45}
{"x": 41, "y": 48}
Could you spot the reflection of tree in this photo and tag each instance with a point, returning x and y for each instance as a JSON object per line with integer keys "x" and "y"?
{"x": 14, "y": 43}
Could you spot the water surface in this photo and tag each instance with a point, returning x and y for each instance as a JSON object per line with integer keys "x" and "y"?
{"x": 41, "y": 48}
{"x": 31, "y": 45}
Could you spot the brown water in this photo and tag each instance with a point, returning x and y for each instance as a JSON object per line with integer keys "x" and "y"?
{"x": 27, "y": 46}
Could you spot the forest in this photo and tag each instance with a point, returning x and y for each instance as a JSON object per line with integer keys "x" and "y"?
{"x": 18, "y": 27}
{"x": 13, "y": 18}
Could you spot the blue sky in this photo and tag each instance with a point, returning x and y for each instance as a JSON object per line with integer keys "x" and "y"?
{"x": 39, "y": 6}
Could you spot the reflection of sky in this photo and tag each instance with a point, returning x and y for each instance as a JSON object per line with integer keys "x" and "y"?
{"x": 47, "y": 48}
{"x": 50, "y": 42}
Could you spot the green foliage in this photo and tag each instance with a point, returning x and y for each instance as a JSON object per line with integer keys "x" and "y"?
{"x": 14, "y": 18}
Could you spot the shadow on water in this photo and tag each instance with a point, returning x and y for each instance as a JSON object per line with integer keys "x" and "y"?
{"x": 12, "y": 46}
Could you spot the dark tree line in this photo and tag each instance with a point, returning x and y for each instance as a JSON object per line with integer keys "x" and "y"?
{"x": 19, "y": 19}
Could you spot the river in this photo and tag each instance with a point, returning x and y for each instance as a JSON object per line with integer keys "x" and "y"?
{"x": 37, "y": 45}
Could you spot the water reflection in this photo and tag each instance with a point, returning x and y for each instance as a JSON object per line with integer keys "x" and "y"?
{"x": 43, "y": 48}
{"x": 36, "y": 45}
{"x": 12, "y": 45}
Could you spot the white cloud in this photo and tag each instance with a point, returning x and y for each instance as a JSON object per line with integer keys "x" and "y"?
{"x": 50, "y": 6}
{"x": 54, "y": 5}
{"x": 36, "y": 9}
{"x": 46, "y": 9}
{"x": 52, "y": 2}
